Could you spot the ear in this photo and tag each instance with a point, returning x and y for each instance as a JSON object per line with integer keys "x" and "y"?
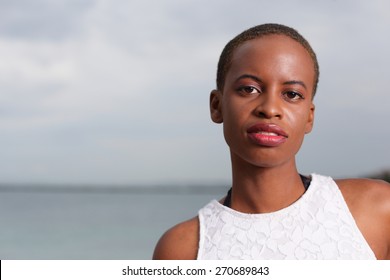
{"x": 310, "y": 121}
{"x": 215, "y": 106}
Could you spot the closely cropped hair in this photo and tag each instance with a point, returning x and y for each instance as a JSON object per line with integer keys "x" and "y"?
{"x": 258, "y": 31}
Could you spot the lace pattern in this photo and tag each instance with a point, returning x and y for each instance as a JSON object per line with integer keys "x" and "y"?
{"x": 317, "y": 226}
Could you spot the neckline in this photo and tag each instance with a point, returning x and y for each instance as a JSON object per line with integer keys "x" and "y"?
{"x": 305, "y": 180}
{"x": 304, "y": 197}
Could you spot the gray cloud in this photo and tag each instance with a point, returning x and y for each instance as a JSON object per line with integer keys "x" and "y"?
{"x": 117, "y": 91}
{"x": 42, "y": 19}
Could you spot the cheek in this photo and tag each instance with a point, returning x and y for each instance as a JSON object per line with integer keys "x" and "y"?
{"x": 232, "y": 111}
{"x": 233, "y": 123}
{"x": 298, "y": 126}
{"x": 298, "y": 121}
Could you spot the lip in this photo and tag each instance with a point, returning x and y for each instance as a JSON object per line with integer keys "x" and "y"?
{"x": 268, "y": 135}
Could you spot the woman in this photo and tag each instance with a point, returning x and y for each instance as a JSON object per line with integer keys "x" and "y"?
{"x": 266, "y": 81}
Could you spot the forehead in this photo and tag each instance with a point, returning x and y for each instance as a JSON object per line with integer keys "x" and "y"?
{"x": 278, "y": 54}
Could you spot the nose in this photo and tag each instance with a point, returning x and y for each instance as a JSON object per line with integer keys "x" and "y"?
{"x": 268, "y": 106}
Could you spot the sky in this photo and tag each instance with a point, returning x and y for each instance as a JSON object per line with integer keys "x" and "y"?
{"x": 117, "y": 91}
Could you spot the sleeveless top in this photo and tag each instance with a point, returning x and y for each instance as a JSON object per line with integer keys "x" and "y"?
{"x": 318, "y": 225}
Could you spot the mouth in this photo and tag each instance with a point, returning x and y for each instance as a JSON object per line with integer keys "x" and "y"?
{"x": 268, "y": 135}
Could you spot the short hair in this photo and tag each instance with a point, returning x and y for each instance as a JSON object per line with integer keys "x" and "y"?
{"x": 225, "y": 60}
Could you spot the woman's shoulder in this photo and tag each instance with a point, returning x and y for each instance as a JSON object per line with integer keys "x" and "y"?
{"x": 369, "y": 191}
{"x": 180, "y": 242}
{"x": 369, "y": 204}
{"x": 367, "y": 196}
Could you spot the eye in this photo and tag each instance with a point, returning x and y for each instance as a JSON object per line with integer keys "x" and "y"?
{"x": 248, "y": 90}
{"x": 292, "y": 95}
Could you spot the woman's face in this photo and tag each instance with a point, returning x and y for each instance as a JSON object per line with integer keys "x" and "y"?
{"x": 266, "y": 104}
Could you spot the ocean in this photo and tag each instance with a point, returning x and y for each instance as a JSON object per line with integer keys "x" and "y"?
{"x": 93, "y": 223}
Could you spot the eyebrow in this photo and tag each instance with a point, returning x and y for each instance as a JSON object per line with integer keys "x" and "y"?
{"x": 249, "y": 76}
{"x": 294, "y": 82}
{"x": 257, "y": 79}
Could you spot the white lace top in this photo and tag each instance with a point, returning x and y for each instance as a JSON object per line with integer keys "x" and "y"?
{"x": 317, "y": 226}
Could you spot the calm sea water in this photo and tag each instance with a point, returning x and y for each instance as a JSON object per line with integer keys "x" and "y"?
{"x": 91, "y": 224}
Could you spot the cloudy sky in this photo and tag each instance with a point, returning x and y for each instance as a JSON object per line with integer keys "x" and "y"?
{"x": 116, "y": 91}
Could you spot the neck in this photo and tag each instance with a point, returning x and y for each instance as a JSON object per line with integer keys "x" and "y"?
{"x": 265, "y": 189}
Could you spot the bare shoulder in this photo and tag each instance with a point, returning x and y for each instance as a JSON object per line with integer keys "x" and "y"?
{"x": 369, "y": 203}
{"x": 179, "y": 243}
{"x": 366, "y": 192}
